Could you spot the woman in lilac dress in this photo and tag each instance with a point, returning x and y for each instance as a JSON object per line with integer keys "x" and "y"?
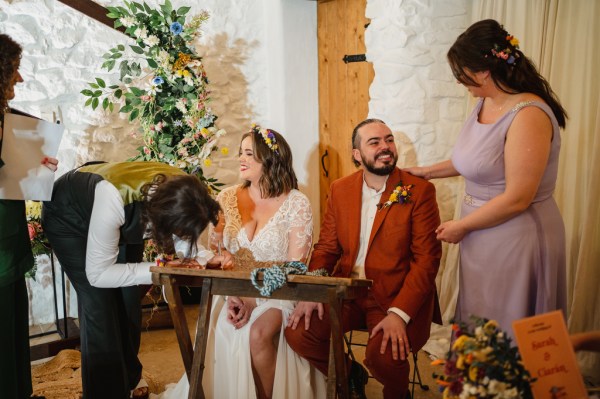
{"x": 511, "y": 234}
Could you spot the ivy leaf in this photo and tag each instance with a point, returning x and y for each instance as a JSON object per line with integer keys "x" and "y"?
{"x": 101, "y": 83}
{"x": 105, "y": 103}
{"x": 134, "y": 114}
{"x": 152, "y": 63}
{"x": 125, "y": 109}
{"x": 111, "y": 106}
{"x": 137, "y": 49}
{"x": 118, "y": 93}
{"x": 88, "y": 102}
{"x": 93, "y": 85}
{"x": 137, "y": 91}
{"x": 166, "y": 8}
{"x": 95, "y": 102}
{"x": 183, "y": 10}
{"x": 120, "y": 47}
{"x": 86, "y": 92}
{"x": 110, "y": 65}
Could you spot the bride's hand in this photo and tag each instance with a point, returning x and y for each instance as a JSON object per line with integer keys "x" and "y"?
{"x": 243, "y": 314}
{"x": 234, "y": 304}
{"x": 223, "y": 261}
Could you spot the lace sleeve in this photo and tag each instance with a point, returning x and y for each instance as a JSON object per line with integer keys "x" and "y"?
{"x": 300, "y": 228}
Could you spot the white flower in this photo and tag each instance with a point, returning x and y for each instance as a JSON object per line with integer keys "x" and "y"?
{"x": 141, "y": 33}
{"x": 153, "y": 89}
{"x": 180, "y": 105}
{"x": 127, "y": 21}
{"x": 151, "y": 41}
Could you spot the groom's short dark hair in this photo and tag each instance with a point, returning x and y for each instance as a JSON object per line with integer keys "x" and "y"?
{"x": 356, "y": 137}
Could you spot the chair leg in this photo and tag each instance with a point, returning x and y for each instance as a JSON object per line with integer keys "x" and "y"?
{"x": 416, "y": 378}
{"x": 348, "y": 341}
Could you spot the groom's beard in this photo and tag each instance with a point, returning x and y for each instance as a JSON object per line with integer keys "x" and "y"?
{"x": 382, "y": 170}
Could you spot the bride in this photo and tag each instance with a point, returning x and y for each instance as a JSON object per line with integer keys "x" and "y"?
{"x": 265, "y": 219}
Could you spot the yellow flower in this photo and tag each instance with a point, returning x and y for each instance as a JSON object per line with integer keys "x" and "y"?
{"x": 514, "y": 41}
{"x": 207, "y": 162}
{"x": 460, "y": 362}
{"x": 34, "y": 210}
{"x": 490, "y": 326}
{"x": 460, "y": 342}
{"x": 473, "y": 373}
{"x": 205, "y": 132}
{"x": 394, "y": 197}
{"x": 268, "y": 141}
{"x": 224, "y": 150}
{"x": 404, "y": 193}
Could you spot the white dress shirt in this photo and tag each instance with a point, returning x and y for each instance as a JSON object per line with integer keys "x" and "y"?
{"x": 370, "y": 199}
{"x": 108, "y": 215}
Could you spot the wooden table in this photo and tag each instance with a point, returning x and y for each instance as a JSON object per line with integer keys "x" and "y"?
{"x": 329, "y": 290}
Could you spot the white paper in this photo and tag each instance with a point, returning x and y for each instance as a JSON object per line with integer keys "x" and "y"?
{"x": 25, "y": 142}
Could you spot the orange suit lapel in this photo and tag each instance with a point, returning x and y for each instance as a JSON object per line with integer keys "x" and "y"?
{"x": 391, "y": 184}
{"x": 353, "y": 200}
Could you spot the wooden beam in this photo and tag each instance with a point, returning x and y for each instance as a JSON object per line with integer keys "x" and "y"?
{"x": 92, "y": 10}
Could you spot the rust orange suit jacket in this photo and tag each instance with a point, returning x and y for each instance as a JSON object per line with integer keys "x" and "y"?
{"x": 403, "y": 255}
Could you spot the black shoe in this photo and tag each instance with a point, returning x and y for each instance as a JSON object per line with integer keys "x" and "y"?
{"x": 357, "y": 380}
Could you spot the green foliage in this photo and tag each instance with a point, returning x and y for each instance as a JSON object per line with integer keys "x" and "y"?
{"x": 163, "y": 85}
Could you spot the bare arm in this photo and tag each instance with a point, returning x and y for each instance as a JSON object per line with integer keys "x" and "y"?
{"x": 526, "y": 153}
{"x": 435, "y": 171}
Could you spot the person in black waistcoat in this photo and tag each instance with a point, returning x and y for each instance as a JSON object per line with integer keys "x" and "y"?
{"x": 96, "y": 223}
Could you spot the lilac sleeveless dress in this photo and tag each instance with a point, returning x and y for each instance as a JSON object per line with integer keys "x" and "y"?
{"x": 518, "y": 268}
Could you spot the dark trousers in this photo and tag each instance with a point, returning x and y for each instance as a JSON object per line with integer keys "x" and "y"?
{"x": 313, "y": 344}
{"x": 15, "y": 366}
{"x": 109, "y": 322}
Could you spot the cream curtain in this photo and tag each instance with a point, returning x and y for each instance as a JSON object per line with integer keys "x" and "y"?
{"x": 561, "y": 37}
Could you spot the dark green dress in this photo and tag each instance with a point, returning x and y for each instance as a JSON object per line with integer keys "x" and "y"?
{"x": 15, "y": 260}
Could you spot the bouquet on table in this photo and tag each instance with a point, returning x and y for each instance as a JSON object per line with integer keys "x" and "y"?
{"x": 482, "y": 364}
{"x": 163, "y": 85}
{"x": 39, "y": 241}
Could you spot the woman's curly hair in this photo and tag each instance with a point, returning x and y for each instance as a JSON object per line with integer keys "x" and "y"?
{"x": 179, "y": 205}
{"x": 10, "y": 55}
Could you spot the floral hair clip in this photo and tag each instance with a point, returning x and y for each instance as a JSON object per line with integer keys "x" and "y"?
{"x": 268, "y": 136}
{"x": 507, "y": 54}
{"x": 401, "y": 194}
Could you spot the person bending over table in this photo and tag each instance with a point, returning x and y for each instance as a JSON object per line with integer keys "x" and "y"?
{"x": 96, "y": 223}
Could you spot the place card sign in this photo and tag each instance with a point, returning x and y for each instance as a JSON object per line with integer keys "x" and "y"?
{"x": 548, "y": 355}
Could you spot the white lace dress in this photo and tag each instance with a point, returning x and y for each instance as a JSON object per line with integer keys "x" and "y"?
{"x": 228, "y": 373}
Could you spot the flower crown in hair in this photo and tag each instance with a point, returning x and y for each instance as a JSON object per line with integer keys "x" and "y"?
{"x": 509, "y": 55}
{"x": 268, "y": 136}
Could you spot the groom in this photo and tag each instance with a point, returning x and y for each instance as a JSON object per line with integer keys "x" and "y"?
{"x": 380, "y": 224}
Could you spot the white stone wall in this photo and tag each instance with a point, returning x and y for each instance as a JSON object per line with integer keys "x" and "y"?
{"x": 413, "y": 89}
{"x": 260, "y": 57}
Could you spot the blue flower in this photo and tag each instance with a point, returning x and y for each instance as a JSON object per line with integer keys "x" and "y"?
{"x": 176, "y": 28}
{"x": 158, "y": 81}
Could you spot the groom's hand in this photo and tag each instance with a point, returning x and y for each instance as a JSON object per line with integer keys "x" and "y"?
{"x": 304, "y": 309}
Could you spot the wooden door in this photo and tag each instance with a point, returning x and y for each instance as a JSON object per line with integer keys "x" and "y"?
{"x": 343, "y": 87}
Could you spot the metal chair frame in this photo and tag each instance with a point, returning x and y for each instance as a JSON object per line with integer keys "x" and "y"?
{"x": 416, "y": 375}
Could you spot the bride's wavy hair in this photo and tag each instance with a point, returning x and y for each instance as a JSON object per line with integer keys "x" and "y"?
{"x": 278, "y": 176}
{"x": 10, "y": 54}
{"x": 180, "y": 205}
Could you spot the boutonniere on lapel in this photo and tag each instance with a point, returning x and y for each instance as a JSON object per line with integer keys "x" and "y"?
{"x": 401, "y": 195}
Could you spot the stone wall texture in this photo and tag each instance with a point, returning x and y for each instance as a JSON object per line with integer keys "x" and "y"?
{"x": 413, "y": 89}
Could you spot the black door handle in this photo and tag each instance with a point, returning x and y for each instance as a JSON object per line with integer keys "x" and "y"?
{"x": 325, "y": 171}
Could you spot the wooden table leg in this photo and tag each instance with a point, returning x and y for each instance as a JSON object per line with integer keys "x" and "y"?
{"x": 173, "y": 298}
{"x": 337, "y": 343}
{"x": 196, "y": 389}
